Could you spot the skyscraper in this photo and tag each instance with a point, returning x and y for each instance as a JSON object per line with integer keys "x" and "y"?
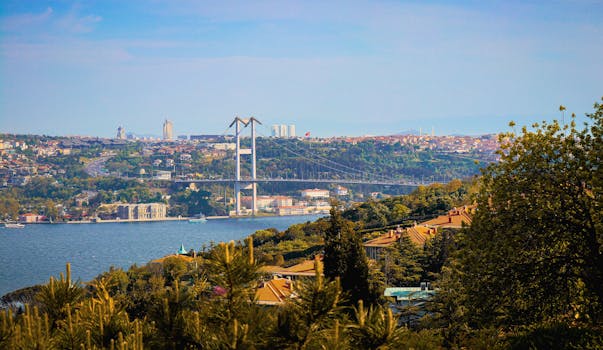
{"x": 283, "y": 132}
{"x": 276, "y": 131}
{"x": 168, "y": 130}
{"x": 292, "y": 130}
{"x": 121, "y": 133}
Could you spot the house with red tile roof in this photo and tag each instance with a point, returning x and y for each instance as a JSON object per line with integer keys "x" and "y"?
{"x": 274, "y": 291}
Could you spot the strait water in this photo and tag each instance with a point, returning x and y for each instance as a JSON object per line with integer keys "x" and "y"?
{"x": 31, "y": 255}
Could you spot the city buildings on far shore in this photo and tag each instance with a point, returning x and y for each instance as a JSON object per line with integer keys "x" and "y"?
{"x": 283, "y": 130}
{"x": 168, "y": 130}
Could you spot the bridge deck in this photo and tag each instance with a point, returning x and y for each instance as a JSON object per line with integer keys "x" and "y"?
{"x": 336, "y": 181}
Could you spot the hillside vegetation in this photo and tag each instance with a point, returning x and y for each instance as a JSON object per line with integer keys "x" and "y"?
{"x": 527, "y": 273}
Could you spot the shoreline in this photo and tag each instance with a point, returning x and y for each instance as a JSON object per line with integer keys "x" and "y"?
{"x": 113, "y": 221}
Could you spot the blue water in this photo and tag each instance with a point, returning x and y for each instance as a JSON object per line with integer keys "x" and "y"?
{"x": 31, "y": 255}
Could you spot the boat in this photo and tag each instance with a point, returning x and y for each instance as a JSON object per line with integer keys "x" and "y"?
{"x": 197, "y": 220}
{"x": 7, "y": 225}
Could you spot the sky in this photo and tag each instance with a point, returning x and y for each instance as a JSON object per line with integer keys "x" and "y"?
{"x": 332, "y": 68}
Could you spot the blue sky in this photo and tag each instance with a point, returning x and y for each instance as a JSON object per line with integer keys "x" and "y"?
{"x": 330, "y": 67}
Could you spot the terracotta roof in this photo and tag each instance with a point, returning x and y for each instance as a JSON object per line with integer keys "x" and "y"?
{"x": 274, "y": 291}
{"x": 305, "y": 268}
{"x": 455, "y": 218}
{"x": 419, "y": 234}
{"x": 384, "y": 240}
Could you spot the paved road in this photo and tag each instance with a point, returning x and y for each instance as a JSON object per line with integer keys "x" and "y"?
{"x": 96, "y": 167}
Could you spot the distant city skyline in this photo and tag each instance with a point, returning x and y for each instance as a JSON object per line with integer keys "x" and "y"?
{"x": 331, "y": 68}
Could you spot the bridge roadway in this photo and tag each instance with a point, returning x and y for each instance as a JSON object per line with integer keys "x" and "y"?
{"x": 336, "y": 181}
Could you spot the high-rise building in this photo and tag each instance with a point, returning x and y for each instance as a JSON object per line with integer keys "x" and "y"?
{"x": 283, "y": 130}
{"x": 276, "y": 130}
{"x": 292, "y": 130}
{"x": 168, "y": 130}
{"x": 121, "y": 133}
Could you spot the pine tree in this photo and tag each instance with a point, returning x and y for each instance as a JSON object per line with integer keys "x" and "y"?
{"x": 345, "y": 258}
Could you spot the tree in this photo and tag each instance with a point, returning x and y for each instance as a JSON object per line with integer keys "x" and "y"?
{"x": 534, "y": 251}
{"x": 301, "y": 322}
{"x": 345, "y": 258}
{"x": 401, "y": 263}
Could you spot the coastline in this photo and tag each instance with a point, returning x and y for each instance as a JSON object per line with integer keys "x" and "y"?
{"x": 113, "y": 221}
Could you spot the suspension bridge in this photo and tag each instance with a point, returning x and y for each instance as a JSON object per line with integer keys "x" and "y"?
{"x": 353, "y": 176}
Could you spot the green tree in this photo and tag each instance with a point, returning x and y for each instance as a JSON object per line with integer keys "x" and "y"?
{"x": 534, "y": 251}
{"x": 401, "y": 263}
{"x": 302, "y": 321}
{"x": 345, "y": 258}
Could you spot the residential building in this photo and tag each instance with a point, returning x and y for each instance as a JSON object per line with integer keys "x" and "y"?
{"x": 31, "y": 218}
{"x": 374, "y": 247}
{"x": 283, "y": 131}
{"x": 274, "y": 291}
{"x": 454, "y": 219}
{"x": 315, "y": 193}
{"x": 292, "y": 130}
{"x": 163, "y": 175}
{"x": 266, "y": 202}
{"x": 306, "y": 268}
{"x": 341, "y": 191}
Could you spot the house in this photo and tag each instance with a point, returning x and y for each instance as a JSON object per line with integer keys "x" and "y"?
{"x": 31, "y": 218}
{"x": 454, "y": 219}
{"x": 375, "y": 246}
{"x": 418, "y": 234}
{"x": 315, "y": 193}
{"x": 274, "y": 291}
{"x": 304, "y": 269}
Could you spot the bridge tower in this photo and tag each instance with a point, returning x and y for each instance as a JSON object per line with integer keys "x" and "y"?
{"x": 238, "y": 122}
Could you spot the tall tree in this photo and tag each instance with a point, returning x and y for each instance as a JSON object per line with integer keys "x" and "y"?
{"x": 401, "y": 263}
{"x": 534, "y": 251}
{"x": 345, "y": 258}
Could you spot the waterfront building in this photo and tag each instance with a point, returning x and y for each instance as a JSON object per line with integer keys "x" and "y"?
{"x": 31, "y": 218}
{"x": 146, "y": 211}
{"x": 267, "y": 202}
{"x": 168, "y": 130}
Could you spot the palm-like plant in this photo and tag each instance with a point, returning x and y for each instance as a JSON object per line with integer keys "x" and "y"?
{"x": 302, "y": 322}
{"x": 55, "y": 296}
{"x": 375, "y": 328}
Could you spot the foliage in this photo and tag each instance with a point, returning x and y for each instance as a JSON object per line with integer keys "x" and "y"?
{"x": 401, "y": 263}
{"x": 345, "y": 258}
{"x": 534, "y": 251}
{"x": 302, "y": 322}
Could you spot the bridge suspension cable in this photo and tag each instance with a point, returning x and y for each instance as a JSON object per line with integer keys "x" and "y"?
{"x": 335, "y": 164}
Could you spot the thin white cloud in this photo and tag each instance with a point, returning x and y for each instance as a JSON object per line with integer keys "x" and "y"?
{"x": 50, "y": 22}
{"x": 26, "y": 20}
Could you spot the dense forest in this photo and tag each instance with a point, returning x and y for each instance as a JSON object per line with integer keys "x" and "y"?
{"x": 526, "y": 274}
